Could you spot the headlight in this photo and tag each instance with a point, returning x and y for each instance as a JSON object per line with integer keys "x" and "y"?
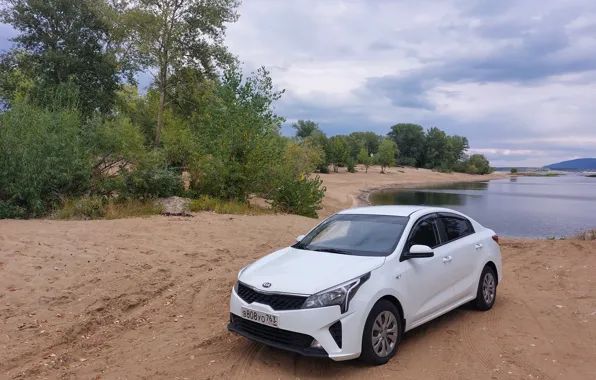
{"x": 340, "y": 295}
{"x": 238, "y": 278}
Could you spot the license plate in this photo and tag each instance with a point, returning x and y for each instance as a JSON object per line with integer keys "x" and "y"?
{"x": 259, "y": 317}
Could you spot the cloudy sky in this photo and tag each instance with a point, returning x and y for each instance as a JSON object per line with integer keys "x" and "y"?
{"x": 517, "y": 77}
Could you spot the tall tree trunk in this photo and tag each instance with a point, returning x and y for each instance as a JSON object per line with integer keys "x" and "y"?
{"x": 162, "y": 102}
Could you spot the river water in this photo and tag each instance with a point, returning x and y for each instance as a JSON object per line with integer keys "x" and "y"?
{"x": 536, "y": 207}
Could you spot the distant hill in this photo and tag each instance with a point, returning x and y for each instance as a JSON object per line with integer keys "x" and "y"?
{"x": 578, "y": 164}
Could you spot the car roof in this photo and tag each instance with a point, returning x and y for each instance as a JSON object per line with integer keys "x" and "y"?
{"x": 395, "y": 210}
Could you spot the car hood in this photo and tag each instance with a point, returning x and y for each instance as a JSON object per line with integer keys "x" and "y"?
{"x": 300, "y": 271}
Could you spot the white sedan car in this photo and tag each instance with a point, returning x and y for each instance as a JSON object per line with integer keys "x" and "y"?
{"x": 363, "y": 277}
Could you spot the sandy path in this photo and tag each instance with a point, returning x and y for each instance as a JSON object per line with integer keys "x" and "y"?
{"x": 147, "y": 298}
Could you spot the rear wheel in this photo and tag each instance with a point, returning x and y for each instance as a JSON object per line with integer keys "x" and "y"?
{"x": 382, "y": 333}
{"x": 487, "y": 290}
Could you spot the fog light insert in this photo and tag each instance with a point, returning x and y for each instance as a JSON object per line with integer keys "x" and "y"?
{"x": 315, "y": 344}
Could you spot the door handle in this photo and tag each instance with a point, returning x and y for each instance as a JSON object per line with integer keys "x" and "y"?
{"x": 447, "y": 259}
{"x": 479, "y": 245}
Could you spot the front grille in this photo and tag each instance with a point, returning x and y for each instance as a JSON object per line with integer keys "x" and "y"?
{"x": 276, "y": 301}
{"x": 271, "y": 334}
{"x": 335, "y": 331}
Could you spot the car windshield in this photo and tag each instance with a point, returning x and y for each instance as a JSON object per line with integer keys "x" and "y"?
{"x": 355, "y": 234}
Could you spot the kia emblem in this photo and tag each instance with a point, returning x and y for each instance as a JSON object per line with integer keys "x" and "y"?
{"x": 267, "y": 285}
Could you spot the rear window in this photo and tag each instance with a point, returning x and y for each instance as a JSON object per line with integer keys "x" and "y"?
{"x": 456, "y": 227}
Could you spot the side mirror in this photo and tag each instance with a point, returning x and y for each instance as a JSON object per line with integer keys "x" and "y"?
{"x": 419, "y": 252}
{"x": 299, "y": 238}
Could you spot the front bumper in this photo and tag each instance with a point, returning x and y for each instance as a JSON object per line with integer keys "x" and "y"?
{"x": 340, "y": 336}
{"x": 282, "y": 339}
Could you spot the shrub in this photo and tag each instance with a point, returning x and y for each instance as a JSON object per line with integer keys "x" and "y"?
{"x": 351, "y": 166}
{"x": 323, "y": 169}
{"x": 513, "y": 170}
{"x": 300, "y": 196}
{"x": 152, "y": 178}
{"x": 444, "y": 168}
{"x": 224, "y": 180}
{"x": 88, "y": 208}
{"x": 207, "y": 203}
{"x": 406, "y": 161}
{"x": 472, "y": 169}
{"x": 42, "y": 158}
{"x": 113, "y": 143}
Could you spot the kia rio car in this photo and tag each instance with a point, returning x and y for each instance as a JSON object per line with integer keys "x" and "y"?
{"x": 363, "y": 277}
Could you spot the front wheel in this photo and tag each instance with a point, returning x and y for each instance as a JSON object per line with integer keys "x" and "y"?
{"x": 382, "y": 333}
{"x": 487, "y": 290}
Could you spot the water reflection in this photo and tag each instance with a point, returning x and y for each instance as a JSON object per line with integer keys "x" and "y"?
{"x": 428, "y": 198}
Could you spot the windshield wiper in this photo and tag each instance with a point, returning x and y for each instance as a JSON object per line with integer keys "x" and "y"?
{"x": 333, "y": 250}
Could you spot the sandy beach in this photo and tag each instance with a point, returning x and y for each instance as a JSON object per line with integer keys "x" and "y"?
{"x": 147, "y": 298}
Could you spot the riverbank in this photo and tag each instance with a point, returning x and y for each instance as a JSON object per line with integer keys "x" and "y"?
{"x": 346, "y": 190}
{"x": 147, "y": 298}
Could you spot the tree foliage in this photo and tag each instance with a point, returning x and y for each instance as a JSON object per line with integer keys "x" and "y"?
{"x": 365, "y": 159}
{"x": 178, "y": 35}
{"x": 305, "y": 128}
{"x": 386, "y": 155}
{"x": 42, "y": 159}
{"x": 61, "y": 41}
{"x": 411, "y": 142}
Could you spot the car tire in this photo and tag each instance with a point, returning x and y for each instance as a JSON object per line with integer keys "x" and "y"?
{"x": 487, "y": 290}
{"x": 385, "y": 322}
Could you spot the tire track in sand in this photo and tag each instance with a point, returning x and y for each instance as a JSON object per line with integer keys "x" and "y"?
{"x": 244, "y": 362}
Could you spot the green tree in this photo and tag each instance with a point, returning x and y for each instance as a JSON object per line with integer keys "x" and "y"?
{"x": 480, "y": 162}
{"x": 386, "y": 155}
{"x": 365, "y": 159}
{"x": 437, "y": 148}
{"x": 62, "y": 41}
{"x": 514, "y": 170}
{"x": 337, "y": 151}
{"x": 174, "y": 34}
{"x": 305, "y": 128}
{"x": 410, "y": 141}
{"x": 319, "y": 139}
{"x": 238, "y": 135}
{"x": 355, "y": 142}
{"x": 457, "y": 148}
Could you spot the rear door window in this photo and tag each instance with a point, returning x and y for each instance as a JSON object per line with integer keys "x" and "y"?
{"x": 456, "y": 227}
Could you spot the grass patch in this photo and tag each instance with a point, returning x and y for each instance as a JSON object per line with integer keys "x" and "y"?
{"x": 90, "y": 208}
{"x": 205, "y": 203}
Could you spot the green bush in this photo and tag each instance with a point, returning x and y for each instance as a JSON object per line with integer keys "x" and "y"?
{"x": 406, "y": 161}
{"x": 152, "y": 178}
{"x": 323, "y": 169}
{"x": 42, "y": 158}
{"x": 300, "y": 196}
{"x": 351, "y": 166}
{"x": 513, "y": 170}
{"x": 212, "y": 176}
{"x": 472, "y": 169}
